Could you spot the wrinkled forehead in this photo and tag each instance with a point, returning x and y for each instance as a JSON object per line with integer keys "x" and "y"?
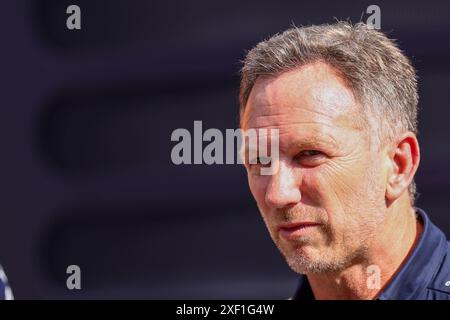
{"x": 314, "y": 93}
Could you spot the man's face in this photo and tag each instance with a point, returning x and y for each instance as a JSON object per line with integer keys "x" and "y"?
{"x": 326, "y": 200}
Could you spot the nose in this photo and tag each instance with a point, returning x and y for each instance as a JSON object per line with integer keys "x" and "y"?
{"x": 283, "y": 188}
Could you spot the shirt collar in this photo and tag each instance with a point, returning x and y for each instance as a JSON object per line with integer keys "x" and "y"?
{"x": 420, "y": 266}
{"x": 415, "y": 274}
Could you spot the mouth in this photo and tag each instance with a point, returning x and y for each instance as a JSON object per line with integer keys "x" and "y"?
{"x": 291, "y": 231}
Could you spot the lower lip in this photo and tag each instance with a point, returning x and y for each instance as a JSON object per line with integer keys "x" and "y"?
{"x": 293, "y": 233}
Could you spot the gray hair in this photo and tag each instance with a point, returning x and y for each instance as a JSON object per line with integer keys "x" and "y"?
{"x": 381, "y": 77}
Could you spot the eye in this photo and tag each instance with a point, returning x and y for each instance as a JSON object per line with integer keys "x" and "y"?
{"x": 310, "y": 153}
{"x": 310, "y": 158}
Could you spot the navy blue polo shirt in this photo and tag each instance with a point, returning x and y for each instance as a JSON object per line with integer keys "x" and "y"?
{"x": 424, "y": 276}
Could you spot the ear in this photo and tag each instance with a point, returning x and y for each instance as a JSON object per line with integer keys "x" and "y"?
{"x": 404, "y": 158}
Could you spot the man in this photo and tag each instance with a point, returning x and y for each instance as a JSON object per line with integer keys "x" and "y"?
{"x": 340, "y": 204}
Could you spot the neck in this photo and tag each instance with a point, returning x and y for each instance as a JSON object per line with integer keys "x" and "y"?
{"x": 366, "y": 278}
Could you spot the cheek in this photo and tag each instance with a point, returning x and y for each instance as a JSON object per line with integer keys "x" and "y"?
{"x": 348, "y": 193}
{"x": 319, "y": 185}
{"x": 346, "y": 178}
{"x": 335, "y": 187}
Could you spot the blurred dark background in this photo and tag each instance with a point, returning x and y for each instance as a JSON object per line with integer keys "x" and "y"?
{"x": 85, "y": 122}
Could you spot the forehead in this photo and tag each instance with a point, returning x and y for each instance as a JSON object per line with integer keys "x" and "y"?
{"x": 312, "y": 94}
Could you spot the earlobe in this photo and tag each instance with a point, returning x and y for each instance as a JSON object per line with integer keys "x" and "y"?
{"x": 405, "y": 160}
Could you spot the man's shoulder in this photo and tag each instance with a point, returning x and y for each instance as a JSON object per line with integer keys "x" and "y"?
{"x": 439, "y": 286}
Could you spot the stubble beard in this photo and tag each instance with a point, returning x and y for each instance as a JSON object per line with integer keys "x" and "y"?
{"x": 327, "y": 261}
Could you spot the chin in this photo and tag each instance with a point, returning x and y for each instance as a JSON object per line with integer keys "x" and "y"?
{"x": 304, "y": 263}
{"x": 306, "y": 258}
{"x": 303, "y": 252}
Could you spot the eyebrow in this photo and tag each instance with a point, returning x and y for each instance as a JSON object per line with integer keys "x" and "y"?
{"x": 311, "y": 142}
